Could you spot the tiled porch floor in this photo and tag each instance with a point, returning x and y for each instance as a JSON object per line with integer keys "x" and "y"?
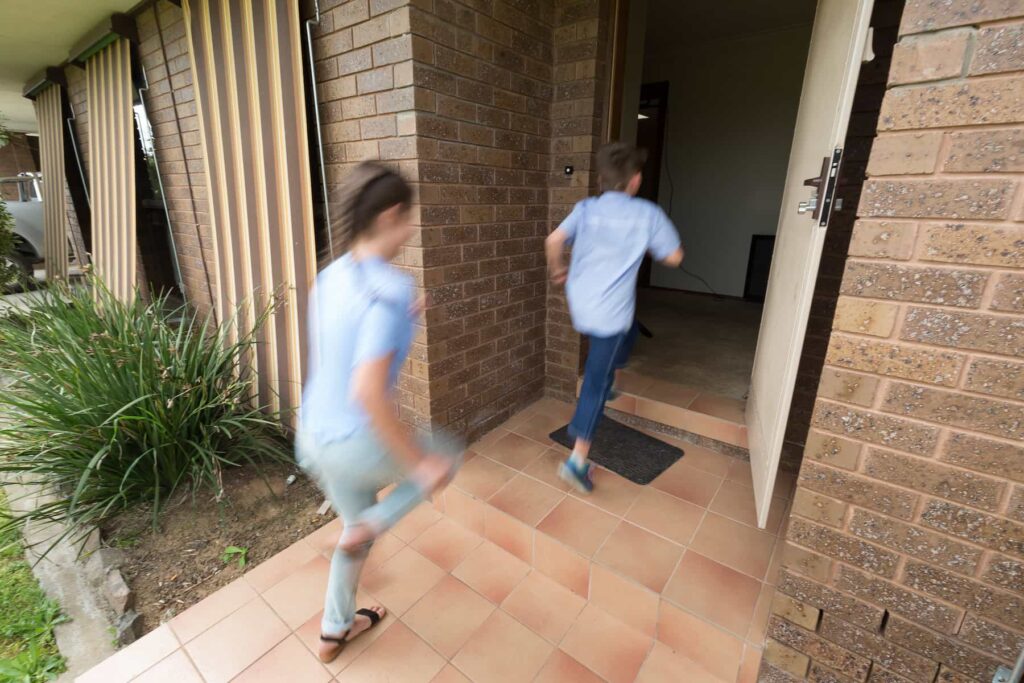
{"x": 507, "y": 578}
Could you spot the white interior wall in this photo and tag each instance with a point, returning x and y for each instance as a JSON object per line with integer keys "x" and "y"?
{"x": 633, "y": 69}
{"x": 731, "y": 113}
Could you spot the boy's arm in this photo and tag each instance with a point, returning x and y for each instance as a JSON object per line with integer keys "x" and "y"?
{"x": 554, "y": 248}
{"x": 665, "y": 245}
{"x": 675, "y": 259}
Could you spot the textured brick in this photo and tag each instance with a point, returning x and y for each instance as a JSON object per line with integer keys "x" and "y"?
{"x": 999, "y": 50}
{"x": 883, "y": 653}
{"x": 803, "y": 561}
{"x": 842, "y": 547}
{"x": 1005, "y": 573}
{"x": 818, "y": 649}
{"x": 880, "y": 675}
{"x": 858, "y": 490}
{"x": 929, "y": 57}
{"x": 988, "y": 333}
{"x": 984, "y": 245}
{"x": 795, "y": 611}
{"x": 883, "y": 430}
{"x": 847, "y": 387}
{"x": 921, "y": 609}
{"x": 1016, "y": 510}
{"x": 989, "y": 101}
{"x": 954, "y": 408}
{"x": 819, "y": 673}
{"x": 991, "y": 638}
{"x": 962, "y": 288}
{"x": 985, "y": 455}
{"x": 883, "y": 239}
{"x": 915, "y": 541}
{"x": 786, "y": 658}
{"x": 959, "y": 590}
{"x": 930, "y": 15}
{"x": 947, "y": 675}
{"x": 865, "y": 317}
{"x": 986, "y": 151}
{"x": 996, "y": 377}
{"x": 819, "y": 508}
{"x": 1009, "y": 294}
{"x": 941, "y": 649}
{"x": 770, "y": 674}
{"x": 930, "y": 477}
{"x": 832, "y": 450}
{"x": 891, "y": 360}
{"x": 904, "y": 153}
{"x": 974, "y": 526}
{"x": 830, "y": 601}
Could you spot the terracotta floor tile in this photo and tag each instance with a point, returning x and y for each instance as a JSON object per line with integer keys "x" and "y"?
{"x": 665, "y": 666}
{"x": 446, "y": 544}
{"x": 736, "y": 545}
{"x": 490, "y": 437}
{"x": 300, "y": 595}
{"x": 538, "y": 426}
{"x": 402, "y": 580}
{"x": 449, "y": 674}
{"x": 491, "y": 571}
{"x": 563, "y": 410}
{"x": 633, "y": 383}
{"x": 544, "y": 606}
{"x": 625, "y": 600}
{"x": 175, "y": 668}
{"x": 515, "y": 451}
{"x": 705, "y": 459}
{"x": 612, "y": 493}
{"x": 503, "y": 651}
{"x": 715, "y": 592}
{"x": 696, "y": 639}
{"x": 141, "y": 655}
{"x": 670, "y": 393}
{"x": 227, "y": 649}
{"x": 267, "y": 573}
{"x": 211, "y": 609}
{"x": 666, "y": 515}
{"x": 692, "y": 485}
{"x": 289, "y": 660}
{"x": 465, "y": 509}
{"x": 509, "y": 533}
{"x": 545, "y": 469}
{"x": 561, "y": 563}
{"x": 526, "y": 499}
{"x": 561, "y": 668}
{"x": 578, "y": 525}
{"x": 663, "y": 413}
{"x": 739, "y": 471}
{"x": 750, "y": 665}
{"x": 325, "y": 539}
{"x": 448, "y": 615}
{"x": 722, "y": 407}
{"x": 625, "y": 403}
{"x": 736, "y": 501}
{"x": 606, "y": 646}
{"x": 416, "y": 522}
{"x": 309, "y": 634}
{"x": 397, "y": 656}
{"x": 482, "y": 477}
{"x": 762, "y": 611}
{"x": 640, "y": 555}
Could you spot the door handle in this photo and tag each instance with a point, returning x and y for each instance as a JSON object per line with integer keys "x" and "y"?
{"x": 810, "y": 205}
{"x": 824, "y": 185}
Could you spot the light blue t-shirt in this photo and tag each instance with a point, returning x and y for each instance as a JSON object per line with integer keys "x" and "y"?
{"x": 360, "y": 311}
{"x": 610, "y": 235}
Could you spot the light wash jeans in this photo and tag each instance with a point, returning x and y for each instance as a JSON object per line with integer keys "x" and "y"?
{"x": 351, "y": 472}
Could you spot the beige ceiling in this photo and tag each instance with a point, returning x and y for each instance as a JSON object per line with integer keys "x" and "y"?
{"x": 38, "y": 33}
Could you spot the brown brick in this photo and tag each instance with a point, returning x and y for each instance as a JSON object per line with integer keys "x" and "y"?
{"x": 923, "y": 610}
{"x": 858, "y": 490}
{"x": 818, "y": 649}
{"x": 947, "y": 675}
{"x": 881, "y": 652}
{"x": 998, "y": 50}
{"x": 880, "y": 675}
{"x": 815, "y": 566}
{"x": 904, "y": 153}
{"x": 883, "y": 239}
{"x": 988, "y": 333}
{"x": 986, "y": 151}
{"x": 847, "y": 387}
{"x": 819, "y": 508}
{"x": 371, "y": 31}
{"x": 1005, "y": 573}
{"x": 832, "y": 450}
{"x": 991, "y": 638}
{"x": 930, "y": 57}
{"x": 883, "y": 430}
{"x": 977, "y": 527}
{"x": 353, "y": 61}
{"x": 786, "y": 658}
{"x": 915, "y": 541}
{"x": 1009, "y": 294}
{"x": 996, "y": 377}
{"x": 865, "y": 317}
{"x": 892, "y": 360}
{"x": 930, "y": 477}
{"x": 1016, "y": 510}
{"x": 820, "y": 673}
{"x": 843, "y": 547}
{"x": 350, "y": 13}
{"x": 994, "y": 245}
{"x": 959, "y": 590}
{"x": 985, "y": 455}
{"x": 955, "y": 408}
{"x": 967, "y": 103}
{"x": 940, "y": 649}
{"x": 961, "y": 288}
{"x": 929, "y": 15}
{"x": 830, "y": 601}
{"x": 795, "y": 611}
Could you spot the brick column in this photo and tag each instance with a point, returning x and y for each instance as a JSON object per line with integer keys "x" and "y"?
{"x": 905, "y": 552}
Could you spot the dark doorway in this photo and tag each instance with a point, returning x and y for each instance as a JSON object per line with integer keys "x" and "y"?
{"x": 650, "y": 135}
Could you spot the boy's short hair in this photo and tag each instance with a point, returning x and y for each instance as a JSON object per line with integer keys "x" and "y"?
{"x": 617, "y": 163}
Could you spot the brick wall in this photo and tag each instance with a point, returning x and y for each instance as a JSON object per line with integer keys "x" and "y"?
{"x": 905, "y": 551}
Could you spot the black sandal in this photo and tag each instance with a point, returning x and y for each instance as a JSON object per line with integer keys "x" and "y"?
{"x": 342, "y": 641}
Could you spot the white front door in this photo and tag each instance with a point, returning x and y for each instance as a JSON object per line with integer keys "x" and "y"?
{"x": 833, "y": 63}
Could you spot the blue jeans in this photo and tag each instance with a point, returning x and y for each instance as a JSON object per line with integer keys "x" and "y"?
{"x": 606, "y": 355}
{"x": 350, "y": 473}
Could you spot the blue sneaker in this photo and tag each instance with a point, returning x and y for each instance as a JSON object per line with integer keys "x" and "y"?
{"x": 577, "y": 477}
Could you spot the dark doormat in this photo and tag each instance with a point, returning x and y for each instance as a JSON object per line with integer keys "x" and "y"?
{"x": 626, "y": 451}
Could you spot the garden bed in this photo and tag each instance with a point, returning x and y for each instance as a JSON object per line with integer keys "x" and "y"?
{"x": 181, "y": 562}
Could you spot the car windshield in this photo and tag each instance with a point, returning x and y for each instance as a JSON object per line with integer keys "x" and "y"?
{"x": 21, "y": 188}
